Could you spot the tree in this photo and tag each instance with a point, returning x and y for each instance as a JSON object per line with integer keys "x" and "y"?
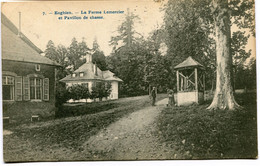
{"x": 51, "y": 51}
{"x": 100, "y": 90}
{"x": 77, "y": 92}
{"x": 62, "y": 60}
{"x": 108, "y": 89}
{"x": 58, "y": 55}
{"x": 76, "y": 53}
{"x": 189, "y": 32}
{"x": 62, "y": 95}
{"x": 128, "y": 64}
{"x": 127, "y": 58}
{"x": 243, "y": 14}
{"x": 247, "y": 76}
{"x": 223, "y": 97}
{"x": 239, "y": 54}
{"x": 98, "y": 56}
{"x": 157, "y": 71}
{"x": 126, "y": 32}
{"x": 188, "y": 27}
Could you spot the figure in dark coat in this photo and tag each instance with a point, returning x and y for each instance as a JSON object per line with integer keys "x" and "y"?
{"x": 153, "y": 94}
{"x": 171, "y": 98}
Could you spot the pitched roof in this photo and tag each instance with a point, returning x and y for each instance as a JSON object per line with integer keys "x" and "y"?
{"x": 109, "y": 76}
{"x": 88, "y": 74}
{"x": 189, "y": 62}
{"x": 19, "y": 48}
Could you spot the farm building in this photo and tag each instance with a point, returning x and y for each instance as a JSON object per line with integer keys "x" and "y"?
{"x": 28, "y": 78}
{"x": 89, "y": 75}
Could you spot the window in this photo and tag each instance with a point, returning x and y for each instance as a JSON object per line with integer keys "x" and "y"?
{"x": 46, "y": 89}
{"x": 36, "y": 88}
{"x": 73, "y": 75}
{"x": 8, "y": 87}
{"x": 81, "y": 74}
{"x": 37, "y": 67}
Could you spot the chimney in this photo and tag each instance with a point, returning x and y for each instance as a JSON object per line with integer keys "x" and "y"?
{"x": 88, "y": 58}
{"x": 19, "y": 30}
{"x": 95, "y": 69}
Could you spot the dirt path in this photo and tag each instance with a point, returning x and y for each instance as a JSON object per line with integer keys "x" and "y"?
{"x": 130, "y": 138}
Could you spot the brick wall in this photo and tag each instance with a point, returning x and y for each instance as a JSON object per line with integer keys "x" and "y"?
{"x": 21, "y": 111}
{"x": 25, "y": 68}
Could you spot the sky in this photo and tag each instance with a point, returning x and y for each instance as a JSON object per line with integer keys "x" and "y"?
{"x": 40, "y": 28}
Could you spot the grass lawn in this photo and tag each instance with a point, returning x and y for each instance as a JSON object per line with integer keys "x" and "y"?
{"x": 62, "y": 138}
{"x": 197, "y": 133}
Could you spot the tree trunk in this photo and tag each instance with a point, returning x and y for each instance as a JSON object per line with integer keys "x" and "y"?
{"x": 223, "y": 97}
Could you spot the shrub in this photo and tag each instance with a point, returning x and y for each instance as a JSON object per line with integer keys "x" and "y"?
{"x": 62, "y": 95}
{"x": 77, "y": 92}
{"x": 102, "y": 89}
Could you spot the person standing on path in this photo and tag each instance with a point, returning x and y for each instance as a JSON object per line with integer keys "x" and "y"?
{"x": 171, "y": 98}
{"x": 153, "y": 94}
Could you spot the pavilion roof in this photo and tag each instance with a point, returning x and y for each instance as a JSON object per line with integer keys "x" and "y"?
{"x": 189, "y": 62}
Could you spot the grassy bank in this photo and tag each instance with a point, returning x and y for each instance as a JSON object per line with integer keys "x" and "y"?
{"x": 79, "y": 109}
{"x": 62, "y": 139}
{"x": 197, "y": 133}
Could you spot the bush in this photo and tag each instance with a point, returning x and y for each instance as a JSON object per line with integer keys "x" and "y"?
{"x": 77, "y": 92}
{"x": 74, "y": 92}
{"x": 102, "y": 89}
{"x": 62, "y": 95}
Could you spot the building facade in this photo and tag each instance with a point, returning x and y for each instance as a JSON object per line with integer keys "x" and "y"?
{"x": 89, "y": 75}
{"x": 28, "y": 78}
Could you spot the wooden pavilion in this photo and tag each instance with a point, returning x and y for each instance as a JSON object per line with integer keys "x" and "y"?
{"x": 190, "y": 82}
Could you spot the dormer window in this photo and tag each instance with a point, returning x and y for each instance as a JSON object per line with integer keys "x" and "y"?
{"x": 74, "y": 75}
{"x": 81, "y": 74}
{"x": 37, "y": 67}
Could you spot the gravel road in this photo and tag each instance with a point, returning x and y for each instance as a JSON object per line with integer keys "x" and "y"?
{"x": 133, "y": 137}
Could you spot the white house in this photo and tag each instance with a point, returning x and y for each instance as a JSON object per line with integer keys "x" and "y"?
{"x": 89, "y": 74}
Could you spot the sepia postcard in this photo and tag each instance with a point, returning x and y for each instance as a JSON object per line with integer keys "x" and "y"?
{"x": 128, "y": 80}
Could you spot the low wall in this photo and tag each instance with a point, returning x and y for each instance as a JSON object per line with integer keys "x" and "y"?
{"x": 187, "y": 98}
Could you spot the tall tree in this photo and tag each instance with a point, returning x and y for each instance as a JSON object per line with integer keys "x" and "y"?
{"x": 62, "y": 55}
{"x": 76, "y": 53}
{"x": 223, "y": 97}
{"x": 51, "y": 51}
{"x": 63, "y": 61}
{"x": 126, "y": 32}
{"x": 243, "y": 14}
{"x": 157, "y": 71}
{"x": 188, "y": 26}
{"x": 126, "y": 60}
{"x": 98, "y": 56}
{"x": 189, "y": 29}
{"x": 239, "y": 53}
{"x": 58, "y": 55}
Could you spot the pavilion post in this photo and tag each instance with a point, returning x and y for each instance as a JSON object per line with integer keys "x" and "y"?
{"x": 204, "y": 84}
{"x": 196, "y": 79}
{"x": 177, "y": 74}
